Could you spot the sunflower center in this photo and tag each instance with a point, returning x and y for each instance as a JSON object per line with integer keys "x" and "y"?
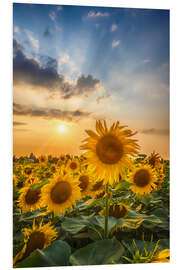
{"x": 109, "y": 149}
{"x": 73, "y": 165}
{"x": 84, "y": 181}
{"x": 117, "y": 211}
{"x": 142, "y": 178}
{"x": 32, "y": 196}
{"x": 97, "y": 186}
{"x": 61, "y": 192}
{"x": 36, "y": 240}
{"x": 28, "y": 171}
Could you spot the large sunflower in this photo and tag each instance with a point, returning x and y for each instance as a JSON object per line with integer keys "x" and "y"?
{"x": 108, "y": 151}
{"x": 61, "y": 193}
{"x": 143, "y": 179}
{"x": 29, "y": 198}
{"x": 36, "y": 238}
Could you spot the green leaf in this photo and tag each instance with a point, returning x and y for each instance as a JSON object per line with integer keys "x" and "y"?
{"x": 123, "y": 185}
{"x": 134, "y": 215}
{"x": 40, "y": 185}
{"x": 76, "y": 224}
{"x": 100, "y": 252}
{"x": 56, "y": 254}
{"x": 31, "y": 215}
{"x": 99, "y": 221}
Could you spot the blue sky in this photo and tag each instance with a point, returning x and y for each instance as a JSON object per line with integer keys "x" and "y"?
{"x": 112, "y": 63}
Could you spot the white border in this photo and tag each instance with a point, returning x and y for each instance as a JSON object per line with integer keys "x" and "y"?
{"x": 6, "y": 120}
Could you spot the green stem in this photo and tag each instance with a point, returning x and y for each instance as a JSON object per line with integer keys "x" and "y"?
{"x": 106, "y": 212}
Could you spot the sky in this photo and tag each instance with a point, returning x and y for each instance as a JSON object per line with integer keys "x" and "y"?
{"x": 74, "y": 65}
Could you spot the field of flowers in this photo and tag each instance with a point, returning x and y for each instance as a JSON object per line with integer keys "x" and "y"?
{"x": 108, "y": 206}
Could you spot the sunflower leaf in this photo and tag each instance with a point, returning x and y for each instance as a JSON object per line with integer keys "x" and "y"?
{"x": 57, "y": 254}
{"x": 99, "y": 252}
{"x": 40, "y": 185}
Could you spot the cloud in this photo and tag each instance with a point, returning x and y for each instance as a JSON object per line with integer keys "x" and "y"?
{"x": 155, "y": 131}
{"x": 52, "y": 16}
{"x": 19, "y": 123}
{"x": 32, "y": 40}
{"x": 67, "y": 66}
{"x": 94, "y": 14}
{"x": 115, "y": 43}
{"x": 114, "y": 27}
{"x": 103, "y": 97}
{"x": 45, "y": 77}
{"x": 49, "y": 113}
{"x": 47, "y": 33}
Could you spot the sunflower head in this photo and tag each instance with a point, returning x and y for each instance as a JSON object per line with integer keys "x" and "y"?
{"x": 28, "y": 170}
{"x": 73, "y": 165}
{"x": 108, "y": 150}
{"x": 36, "y": 238}
{"x": 143, "y": 179}
{"x": 97, "y": 188}
{"x": 85, "y": 179}
{"x": 42, "y": 159}
{"x": 119, "y": 210}
{"x": 61, "y": 193}
{"x": 154, "y": 160}
{"x": 30, "y": 199}
{"x": 62, "y": 159}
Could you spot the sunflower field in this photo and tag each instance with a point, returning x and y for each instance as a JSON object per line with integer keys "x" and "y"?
{"x": 108, "y": 206}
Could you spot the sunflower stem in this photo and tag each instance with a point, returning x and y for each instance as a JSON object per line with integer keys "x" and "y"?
{"x": 106, "y": 212}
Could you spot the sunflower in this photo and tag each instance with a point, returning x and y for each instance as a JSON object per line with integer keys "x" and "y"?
{"x": 43, "y": 159}
{"x": 85, "y": 182}
{"x": 162, "y": 256}
{"x": 73, "y": 165}
{"x": 36, "y": 238}
{"x": 62, "y": 158}
{"x": 28, "y": 170}
{"x": 29, "y": 198}
{"x": 61, "y": 193}
{"x": 97, "y": 189}
{"x": 108, "y": 151}
{"x": 143, "y": 179}
{"x": 119, "y": 210}
{"x": 154, "y": 160}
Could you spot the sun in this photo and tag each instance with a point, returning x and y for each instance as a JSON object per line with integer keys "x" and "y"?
{"x": 62, "y": 128}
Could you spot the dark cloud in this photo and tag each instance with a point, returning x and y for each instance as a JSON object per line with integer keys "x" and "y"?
{"x": 44, "y": 75}
{"x": 47, "y": 33}
{"x": 49, "y": 113}
{"x": 84, "y": 86}
{"x": 155, "y": 131}
{"x": 30, "y": 71}
{"x": 19, "y": 123}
